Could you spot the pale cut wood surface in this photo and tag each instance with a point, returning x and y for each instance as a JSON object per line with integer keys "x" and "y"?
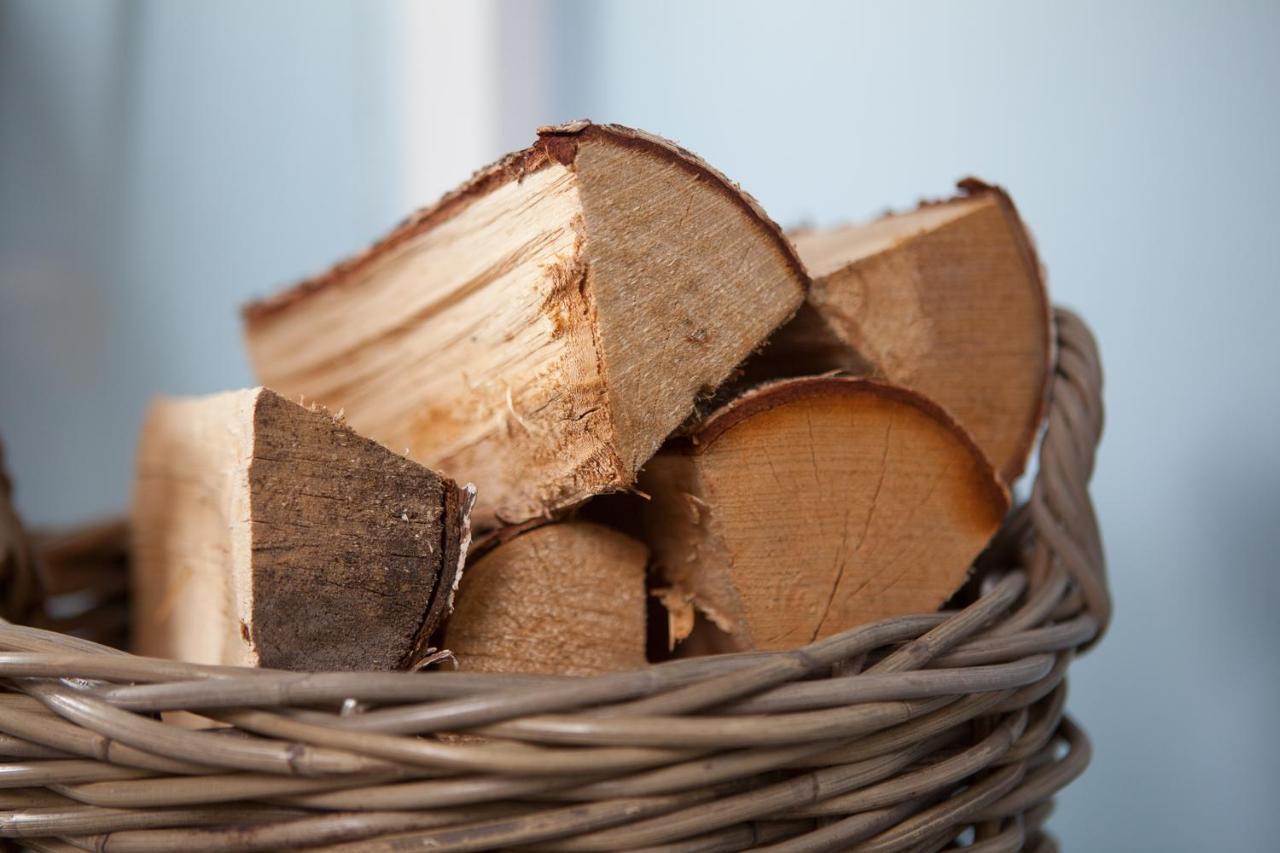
{"x": 811, "y": 506}
{"x": 542, "y": 330}
{"x": 948, "y": 300}
{"x": 565, "y": 598}
{"x": 269, "y": 533}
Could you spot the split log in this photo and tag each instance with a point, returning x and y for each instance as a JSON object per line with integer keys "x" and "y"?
{"x": 811, "y": 506}
{"x": 266, "y": 533}
{"x": 565, "y": 598}
{"x": 541, "y": 330}
{"x": 948, "y": 300}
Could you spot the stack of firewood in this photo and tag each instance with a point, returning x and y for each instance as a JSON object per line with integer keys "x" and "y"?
{"x": 796, "y": 434}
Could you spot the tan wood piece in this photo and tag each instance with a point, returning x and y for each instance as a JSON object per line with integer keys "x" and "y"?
{"x": 269, "y": 533}
{"x": 948, "y": 300}
{"x": 565, "y": 598}
{"x": 541, "y": 330}
{"x": 810, "y": 506}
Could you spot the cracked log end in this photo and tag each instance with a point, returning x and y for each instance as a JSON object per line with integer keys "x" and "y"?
{"x": 564, "y": 598}
{"x": 268, "y": 533}
{"x": 811, "y": 506}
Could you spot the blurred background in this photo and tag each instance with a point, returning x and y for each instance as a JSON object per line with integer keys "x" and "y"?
{"x": 160, "y": 163}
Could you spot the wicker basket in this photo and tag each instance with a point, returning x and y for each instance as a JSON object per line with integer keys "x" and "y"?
{"x": 918, "y": 733}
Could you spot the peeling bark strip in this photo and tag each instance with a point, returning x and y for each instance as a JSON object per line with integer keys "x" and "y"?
{"x": 948, "y": 300}
{"x": 268, "y": 533}
{"x": 811, "y": 506}
{"x": 564, "y": 598}
{"x": 541, "y": 330}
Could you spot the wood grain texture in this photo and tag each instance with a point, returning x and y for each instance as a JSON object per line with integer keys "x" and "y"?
{"x": 811, "y": 506}
{"x": 566, "y": 598}
{"x": 948, "y": 300}
{"x": 269, "y": 533}
{"x": 544, "y": 328}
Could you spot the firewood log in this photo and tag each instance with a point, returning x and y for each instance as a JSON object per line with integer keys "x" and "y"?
{"x": 948, "y": 300}
{"x": 810, "y": 506}
{"x": 565, "y": 598}
{"x": 541, "y": 330}
{"x": 269, "y": 533}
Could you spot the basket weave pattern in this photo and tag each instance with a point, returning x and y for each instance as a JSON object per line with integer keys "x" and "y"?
{"x": 916, "y": 733}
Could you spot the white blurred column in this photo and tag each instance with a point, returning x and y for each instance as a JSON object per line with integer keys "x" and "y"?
{"x": 445, "y": 57}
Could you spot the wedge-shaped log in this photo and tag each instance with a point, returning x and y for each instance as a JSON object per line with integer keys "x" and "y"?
{"x": 948, "y": 300}
{"x": 269, "y": 533}
{"x": 563, "y": 598}
{"x": 541, "y": 330}
{"x": 811, "y": 506}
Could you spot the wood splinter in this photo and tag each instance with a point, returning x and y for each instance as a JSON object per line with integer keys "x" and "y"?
{"x": 266, "y": 533}
{"x": 811, "y": 506}
{"x": 564, "y": 598}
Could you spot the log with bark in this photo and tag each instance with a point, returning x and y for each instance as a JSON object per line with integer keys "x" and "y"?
{"x": 948, "y": 300}
{"x": 269, "y": 533}
{"x": 541, "y": 330}
{"x": 565, "y": 598}
{"x": 810, "y": 506}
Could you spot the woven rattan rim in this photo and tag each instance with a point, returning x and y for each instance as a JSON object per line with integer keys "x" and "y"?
{"x": 918, "y": 733}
